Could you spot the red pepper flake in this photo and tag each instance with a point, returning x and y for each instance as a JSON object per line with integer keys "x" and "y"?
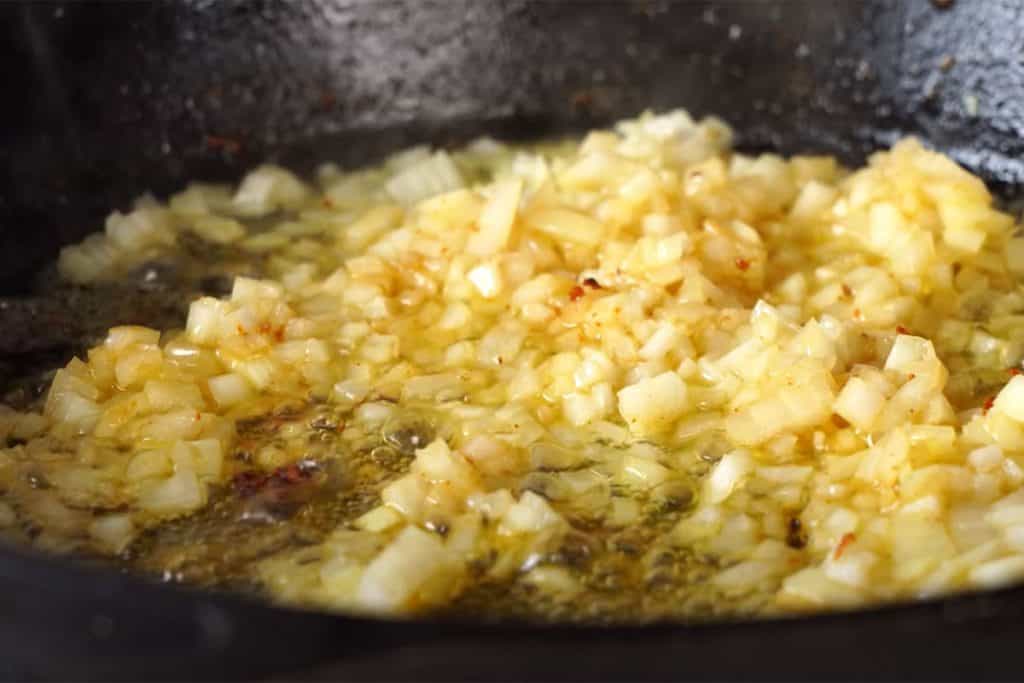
{"x": 290, "y": 474}
{"x": 856, "y": 313}
{"x": 198, "y": 416}
{"x": 241, "y": 330}
{"x": 279, "y": 334}
{"x": 844, "y": 542}
{"x": 592, "y": 283}
{"x": 743, "y": 264}
{"x": 575, "y": 293}
{"x": 902, "y": 330}
{"x": 989, "y": 402}
{"x": 581, "y": 99}
{"x": 227, "y": 144}
{"x": 847, "y": 292}
{"x": 264, "y": 328}
{"x": 249, "y": 482}
{"x": 1014, "y": 372}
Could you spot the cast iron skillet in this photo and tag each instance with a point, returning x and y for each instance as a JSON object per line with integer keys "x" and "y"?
{"x": 107, "y": 100}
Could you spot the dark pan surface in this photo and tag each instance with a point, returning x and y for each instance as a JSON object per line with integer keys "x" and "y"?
{"x": 105, "y": 101}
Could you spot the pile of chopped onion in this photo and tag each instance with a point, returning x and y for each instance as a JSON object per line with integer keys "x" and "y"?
{"x": 585, "y": 319}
